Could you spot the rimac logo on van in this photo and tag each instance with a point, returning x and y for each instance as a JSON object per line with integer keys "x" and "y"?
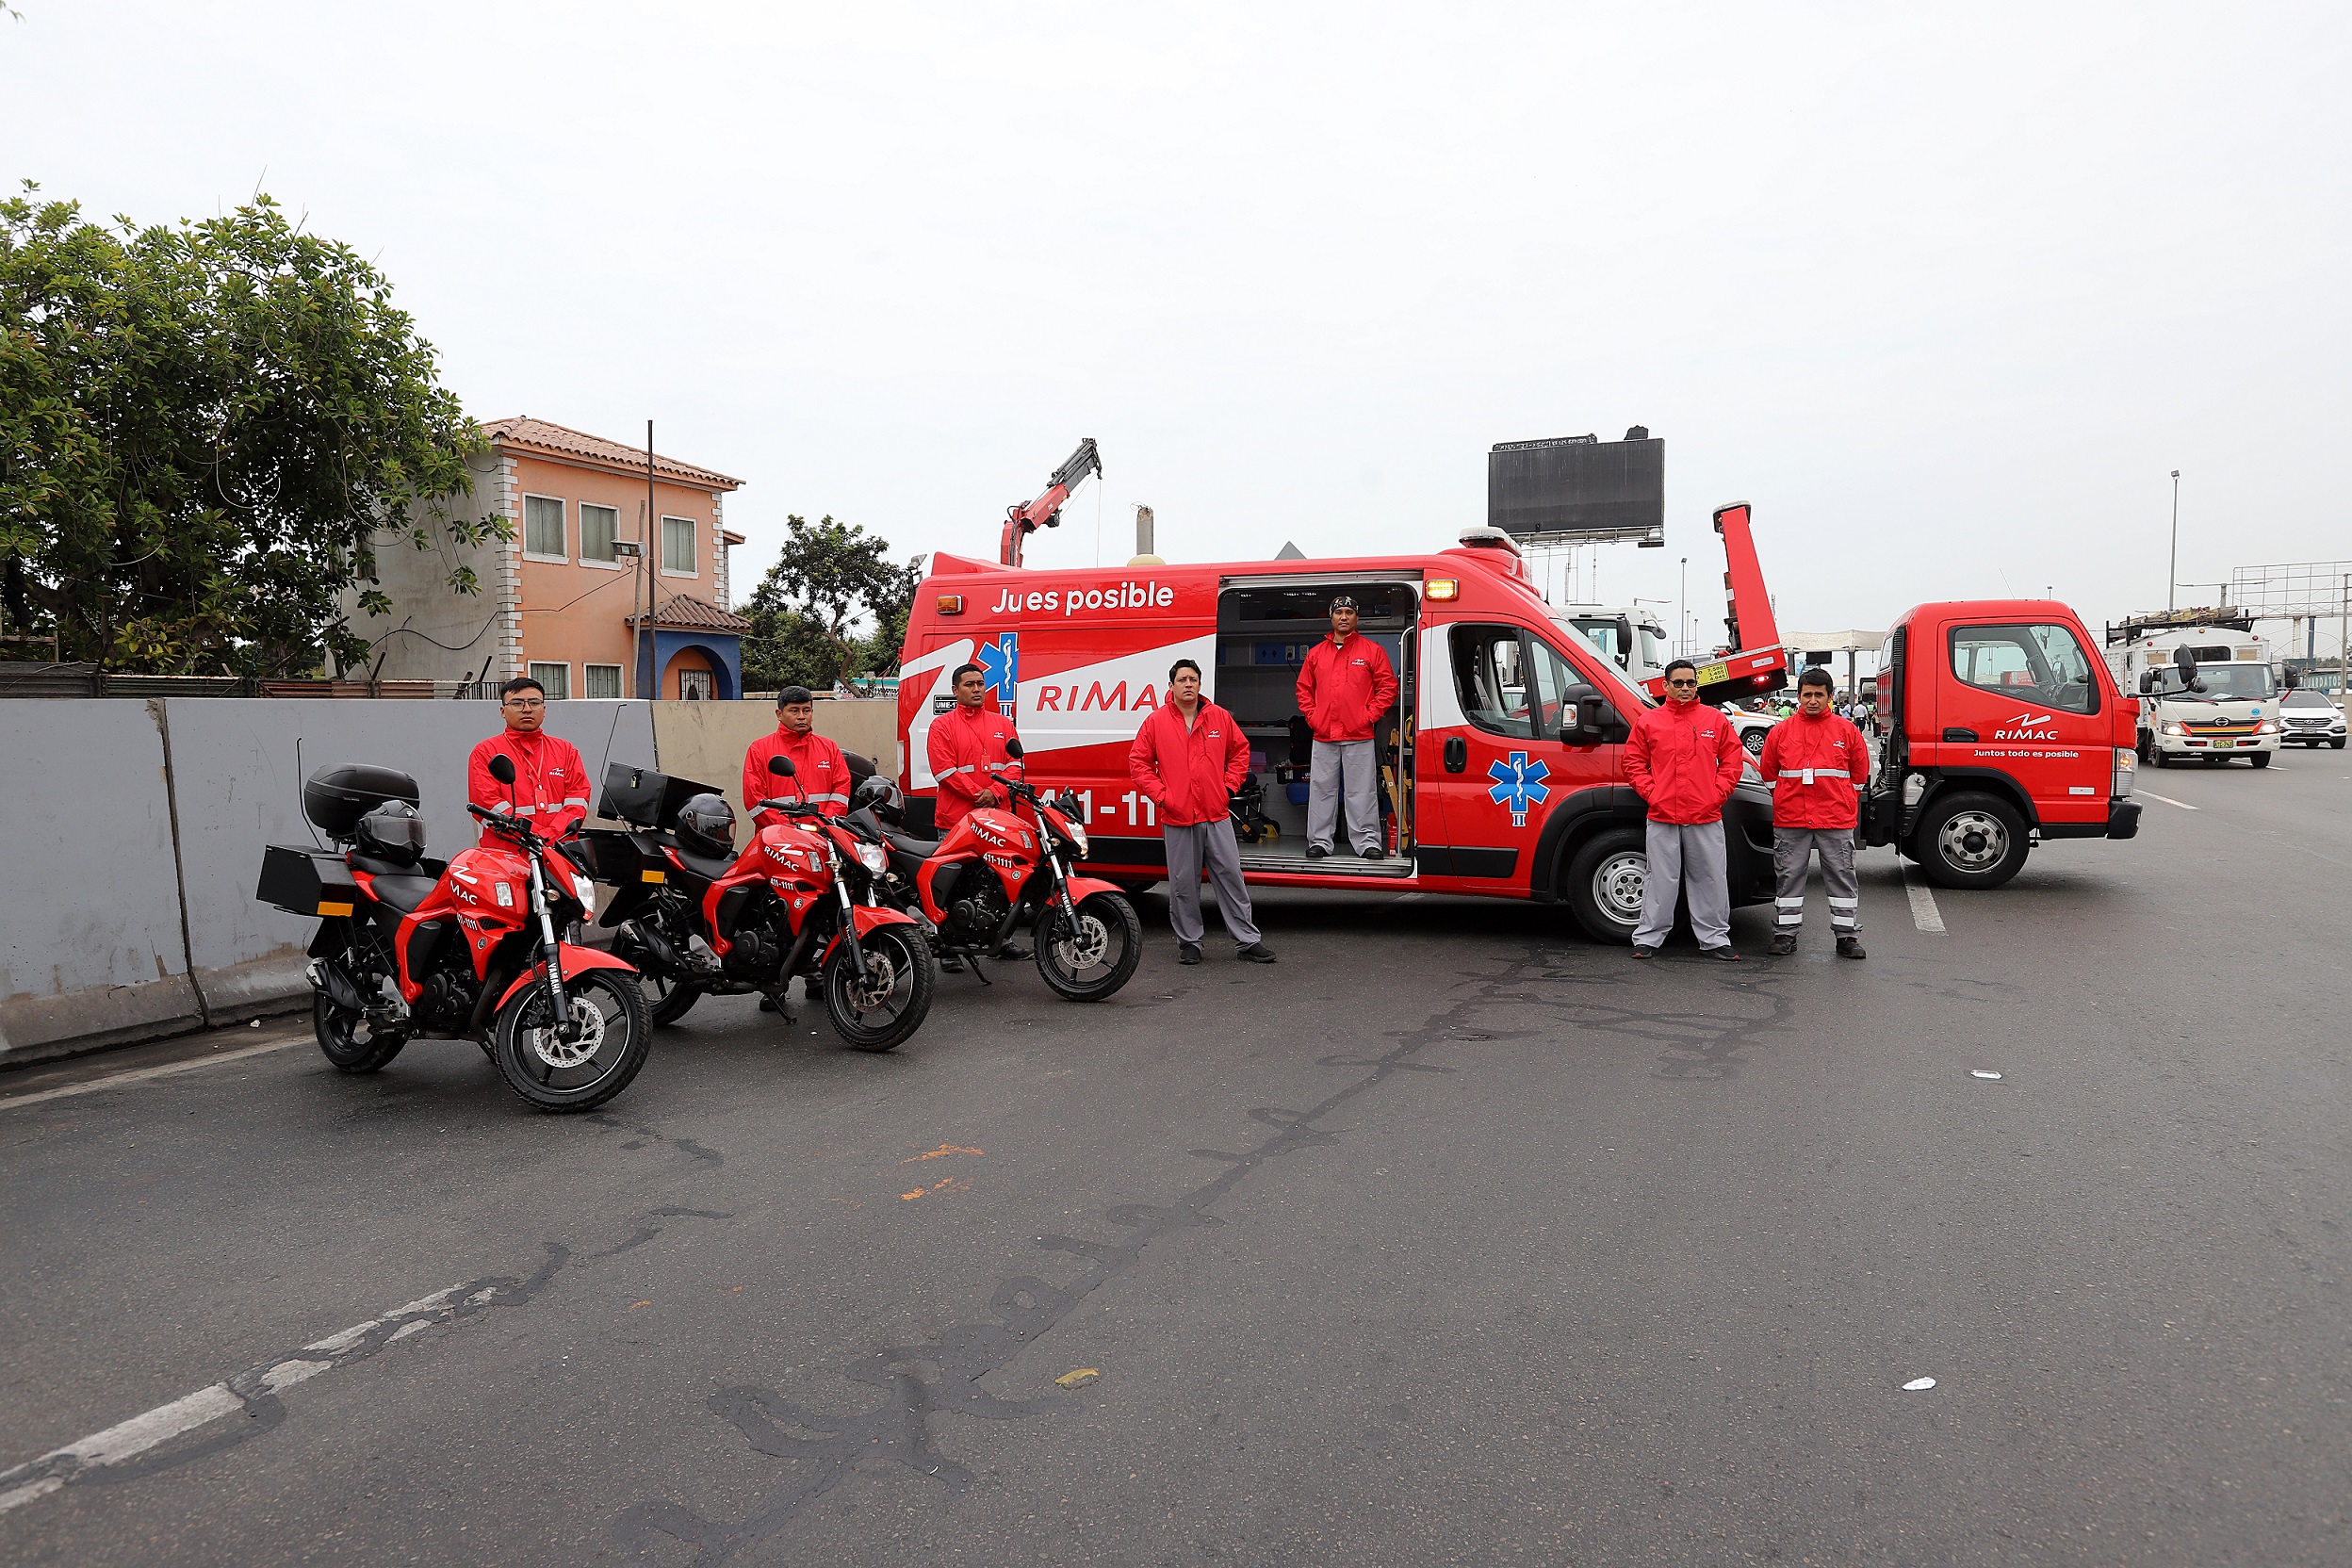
{"x": 2025, "y": 727}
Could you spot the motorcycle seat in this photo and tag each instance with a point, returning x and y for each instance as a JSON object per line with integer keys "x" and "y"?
{"x": 710, "y": 868}
{"x": 906, "y": 844}
{"x": 399, "y": 889}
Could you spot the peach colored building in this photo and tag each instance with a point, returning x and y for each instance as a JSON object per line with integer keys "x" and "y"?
{"x": 561, "y": 597}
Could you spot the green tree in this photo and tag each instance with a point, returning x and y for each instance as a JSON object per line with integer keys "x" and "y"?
{"x": 202, "y": 426}
{"x": 829, "y": 580}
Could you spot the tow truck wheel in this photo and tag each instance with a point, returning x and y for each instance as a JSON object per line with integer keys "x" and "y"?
{"x": 1604, "y": 882}
{"x": 1970, "y": 840}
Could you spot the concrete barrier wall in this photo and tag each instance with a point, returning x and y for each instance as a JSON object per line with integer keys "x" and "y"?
{"x": 137, "y": 830}
{"x": 92, "y": 946}
{"x": 706, "y": 741}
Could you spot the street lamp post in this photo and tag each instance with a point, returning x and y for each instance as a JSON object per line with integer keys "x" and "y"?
{"x": 633, "y": 552}
{"x": 1682, "y": 630}
{"x": 2172, "y": 577}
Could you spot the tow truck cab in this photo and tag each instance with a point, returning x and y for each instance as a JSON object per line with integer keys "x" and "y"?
{"x": 2001, "y": 731}
{"x": 1501, "y": 765}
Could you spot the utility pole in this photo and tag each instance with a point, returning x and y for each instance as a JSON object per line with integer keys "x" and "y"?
{"x": 2172, "y": 576}
{"x": 1685, "y": 627}
{"x": 653, "y": 526}
{"x": 2344, "y": 653}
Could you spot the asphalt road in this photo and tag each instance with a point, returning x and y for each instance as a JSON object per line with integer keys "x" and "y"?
{"x": 1451, "y": 1238}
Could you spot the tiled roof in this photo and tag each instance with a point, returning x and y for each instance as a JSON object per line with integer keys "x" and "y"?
{"x": 562, "y": 441}
{"x": 692, "y": 615}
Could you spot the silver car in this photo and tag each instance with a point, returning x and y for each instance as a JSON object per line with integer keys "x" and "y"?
{"x": 2308, "y": 718}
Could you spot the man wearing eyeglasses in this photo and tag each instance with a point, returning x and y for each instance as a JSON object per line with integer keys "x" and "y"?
{"x": 1684, "y": 759}
{"x": 550, "y": 786}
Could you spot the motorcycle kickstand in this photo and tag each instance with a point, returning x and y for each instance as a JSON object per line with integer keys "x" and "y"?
{"x": 783, "y": 1006}
{"x": 978, "y": 972}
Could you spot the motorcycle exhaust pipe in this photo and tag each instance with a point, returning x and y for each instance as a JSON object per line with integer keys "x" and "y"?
{"x": 654, "y": 946}
{"x": 338, "y": 986}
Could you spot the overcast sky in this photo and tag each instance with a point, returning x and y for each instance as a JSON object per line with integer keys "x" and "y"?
{"x": 1946, "y": 292}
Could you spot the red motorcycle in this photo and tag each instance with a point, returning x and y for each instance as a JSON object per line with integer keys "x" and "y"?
{"x": 409, "y": 949}
{"x": 700, "y": 919}
{"x": 997, "y": 870}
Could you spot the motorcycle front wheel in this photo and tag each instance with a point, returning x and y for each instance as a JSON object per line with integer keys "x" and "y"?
{"x": 891, "y": 1003}
{"x": 1090, "y": 960}
{"x": 555, "y": 1074}
{"x": 346, "y": 1038}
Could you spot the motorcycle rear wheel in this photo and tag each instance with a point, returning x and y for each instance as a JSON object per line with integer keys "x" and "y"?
{"x": 1092, "y": 961}
{"x": 564, "y": 1076}
{"x": 345, "y": 1041}
{"x": 668, "y": 999}
{"x": 892, "y": 1002}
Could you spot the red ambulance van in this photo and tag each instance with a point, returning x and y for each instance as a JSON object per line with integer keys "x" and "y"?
{"x": 1501, "y": 765}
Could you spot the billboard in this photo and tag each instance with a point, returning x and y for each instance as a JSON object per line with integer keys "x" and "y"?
{"x": 1576, "y": 487}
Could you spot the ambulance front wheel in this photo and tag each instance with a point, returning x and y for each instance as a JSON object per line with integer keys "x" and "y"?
{"x": 1603, "y": 884}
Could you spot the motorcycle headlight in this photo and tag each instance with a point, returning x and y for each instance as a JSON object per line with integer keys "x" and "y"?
{"x": 874, "y": 857}
{"x": 585, "y": 890}
{"x": 1078, "y": 836}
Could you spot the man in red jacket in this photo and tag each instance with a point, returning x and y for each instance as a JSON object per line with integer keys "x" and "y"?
{"x": 1190, "y": 757}
{"x": 966, "y": 742}
{"x": 1815, "y": 762}
{"x": 820, "y": 772}
{"x": 1684, "y": 759}
{"x": 1344, "y": 686}
{"x": 550, "y": 785}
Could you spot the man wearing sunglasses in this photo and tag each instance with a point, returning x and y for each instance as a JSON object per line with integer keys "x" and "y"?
{"x": 1684, "y": 759}
{"x": 550, "y": 785}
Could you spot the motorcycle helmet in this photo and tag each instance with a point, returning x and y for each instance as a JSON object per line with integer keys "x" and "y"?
{"x": 392, "y": 831}
{"x": 705, "y": 824}
{"x": 879, "y": 795}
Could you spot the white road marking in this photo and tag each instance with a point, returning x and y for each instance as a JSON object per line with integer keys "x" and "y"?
{"x": 142, "y": 1074}
{"x": 128, "y": 1439}
{"x": 1923, "y": 911}
{"x": 2169, "y": 801}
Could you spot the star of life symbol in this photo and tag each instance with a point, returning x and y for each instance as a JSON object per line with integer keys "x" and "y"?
{"x": 1518, "y": 783}
{"x": 999, "y": 667}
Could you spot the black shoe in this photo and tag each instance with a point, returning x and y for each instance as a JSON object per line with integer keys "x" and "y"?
{"x": 1640, "y": 952}
{"x": 1187, "y": 953}
{"x": 1851, "y": 947}
{"x": 1317, "y": 852}
{"x": 1013, "y": 952}
{"x": 1256, "y": 952}
{"x": 767, "y": 1004}
{"x": 1726, "y": 954}
{"x": 1375, "y": 853}
{"x": 950, "y": 964}
{"x": 1784, "y": 944}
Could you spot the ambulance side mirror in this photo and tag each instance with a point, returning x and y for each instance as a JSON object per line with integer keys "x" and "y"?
{"x": 502, "y": 768}
{"x": 780, "y": 767}
{"x": 1012, "y": 748}
{"x": 1590, "y": 720}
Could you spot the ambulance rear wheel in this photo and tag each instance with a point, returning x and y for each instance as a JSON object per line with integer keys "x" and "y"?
{"x": 1603, "y": 884}
{"x": 1970, "y": 840}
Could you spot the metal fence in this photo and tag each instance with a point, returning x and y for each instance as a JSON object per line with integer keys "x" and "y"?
{"x": 88, "y": 680}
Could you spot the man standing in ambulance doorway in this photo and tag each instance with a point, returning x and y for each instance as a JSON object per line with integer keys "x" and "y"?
{"x": 1684, "y": 759}
{"x": 1813, "y": 760}
{"x": 1188, "y": 758}
{"x": 1343, "y": 687}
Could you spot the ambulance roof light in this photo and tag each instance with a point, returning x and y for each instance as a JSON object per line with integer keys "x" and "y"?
{"x": 1488, "y": 539}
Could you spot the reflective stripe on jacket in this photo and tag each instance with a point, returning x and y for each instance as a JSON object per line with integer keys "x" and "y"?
{"x": 1343, "y": 687}
{"x": 1816, "y": 768}
{"x": 1189, "y": 775}
{"x": 550, "y": 785}
{"x": 819, "y": 773}
{"x": 964, "y": 744}
{"x": 1684, "y": 759}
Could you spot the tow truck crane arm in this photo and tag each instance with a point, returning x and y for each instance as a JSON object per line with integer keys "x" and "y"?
{"x": 1046, "y": 511}
{"x": 1752, "y": 661}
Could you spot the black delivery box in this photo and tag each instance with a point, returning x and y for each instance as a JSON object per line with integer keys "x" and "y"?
{"x": 305, "y": 880}
{"x": 645, "y": 797}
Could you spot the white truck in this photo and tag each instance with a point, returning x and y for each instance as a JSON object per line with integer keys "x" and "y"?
{"x": 2207, "y": 691}
{"x": 1633, "y": 641}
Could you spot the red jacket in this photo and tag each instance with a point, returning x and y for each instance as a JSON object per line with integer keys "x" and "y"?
{"x": 819, "y": 773}
{"x": 1343, "y": 687}
{"x": 550, "y": 781}
{"x": 1816, "y": 768}
{"x": 1684, "y": 759}
{"x": 964, "y": 744}
{"x": 1188, "y": 777}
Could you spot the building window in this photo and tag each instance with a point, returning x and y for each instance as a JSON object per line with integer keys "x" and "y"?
{"x": 556, "y": 680}
{"x": 598, "y": 527}
{"x": 694, "y": 686}
{"x": 600, "y": 680}
{"x": 677, "y": 546}
{"x": 542, "y": 527}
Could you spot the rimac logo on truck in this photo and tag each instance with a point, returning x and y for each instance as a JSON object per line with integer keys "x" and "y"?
{"x": 2022, "y": 729}
{"x": 1518, "y": 784}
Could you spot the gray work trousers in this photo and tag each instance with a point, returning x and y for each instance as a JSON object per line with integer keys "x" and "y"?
{"x": 1355, "y": 764}
{"x": 1209, "y": 844}
{"x": 1681, "y": 853}
{"x": 1792, "y": 853}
